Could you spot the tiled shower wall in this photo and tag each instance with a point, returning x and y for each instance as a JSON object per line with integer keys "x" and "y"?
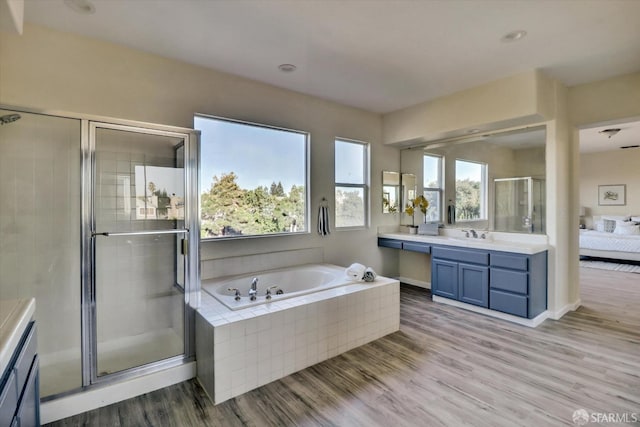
{"x": 40, "y": 224}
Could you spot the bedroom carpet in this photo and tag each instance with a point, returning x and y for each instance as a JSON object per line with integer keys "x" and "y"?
{"x": 602, "y": 265}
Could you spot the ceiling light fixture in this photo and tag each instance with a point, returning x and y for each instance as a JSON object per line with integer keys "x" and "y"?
{"x": 513, "y": 36}
{"x": 287, "y": 68}
{"x": 84, "y": 7}
{"x": 610, "y": 132}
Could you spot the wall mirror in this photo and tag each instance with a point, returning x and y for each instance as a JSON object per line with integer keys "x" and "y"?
{"x": 494, "y": 181}
{"x": 408, "y": 189}
{"x": 390, "y": 192}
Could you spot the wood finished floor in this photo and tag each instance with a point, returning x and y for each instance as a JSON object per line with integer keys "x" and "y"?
{"x": 445, "y": 367}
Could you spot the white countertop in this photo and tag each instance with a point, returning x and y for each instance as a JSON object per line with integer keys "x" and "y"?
{"x": 517, "y": 246}
{"x": 15, "y": 315}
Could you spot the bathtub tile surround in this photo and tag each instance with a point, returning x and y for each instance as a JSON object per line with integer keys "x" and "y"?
{"x": 240, "y": 350}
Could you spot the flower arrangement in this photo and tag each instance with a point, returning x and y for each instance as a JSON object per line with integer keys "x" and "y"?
{"x": 419, "y": 202}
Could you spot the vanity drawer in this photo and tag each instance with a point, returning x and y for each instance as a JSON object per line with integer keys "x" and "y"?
{"x": 508, "y": 280}
{"x": 463, "y": 255}
{"x": 512, "y": 261}
{"x": 417, "y": 247}
{"x": 508, "y": 303}
{"x": 25, "y": 357}
{"x": 389, "y": 243}
{"x": 8, "y": 400}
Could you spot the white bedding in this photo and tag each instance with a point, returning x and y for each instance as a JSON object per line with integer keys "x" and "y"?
{"x": 598, "y": 240}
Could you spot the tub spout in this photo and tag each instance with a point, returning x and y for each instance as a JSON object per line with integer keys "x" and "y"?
{"x": 253, "y": 292}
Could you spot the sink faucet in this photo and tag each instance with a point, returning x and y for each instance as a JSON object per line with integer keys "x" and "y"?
{"x": 253, "y": 292}
{"x": 474, "y": 233}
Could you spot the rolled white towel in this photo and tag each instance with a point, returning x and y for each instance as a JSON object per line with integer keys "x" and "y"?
{"x": 355, "y": 271}
{"x": 369, "y": 275}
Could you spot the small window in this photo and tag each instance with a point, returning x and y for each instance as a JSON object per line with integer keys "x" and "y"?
{"x": 471, "y": 191}
{"x": 352, "y": 182}
{"x": 253, "y": 179}
{"x": 433, "y": 186}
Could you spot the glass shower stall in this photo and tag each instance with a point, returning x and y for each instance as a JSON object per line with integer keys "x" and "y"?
{"x": 99, "y": 223}
{"x": 519, "y": 205}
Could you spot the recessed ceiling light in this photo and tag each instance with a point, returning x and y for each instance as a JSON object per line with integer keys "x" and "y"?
{"x": 287, "y": 68}
{"x": 610, "y": 132}
{"x": 513, "y": 36}
{"x": 81, "y": 6}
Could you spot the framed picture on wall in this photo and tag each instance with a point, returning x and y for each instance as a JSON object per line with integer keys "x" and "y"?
{"x": 612, "y": 195}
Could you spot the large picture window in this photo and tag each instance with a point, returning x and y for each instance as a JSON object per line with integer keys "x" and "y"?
{"x": 253, "y": 179}
{"x": 471, "y": 191}
{"x": 433, "y": 187}
{"x": 352, "y": 182}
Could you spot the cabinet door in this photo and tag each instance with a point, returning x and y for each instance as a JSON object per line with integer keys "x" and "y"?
{"x": 444, "y": 278}
{"x": 473, "y": 283}
{"x": 29, "y": 408}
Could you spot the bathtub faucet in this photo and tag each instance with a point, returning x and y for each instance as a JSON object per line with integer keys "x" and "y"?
{"x": 253, "y": 292}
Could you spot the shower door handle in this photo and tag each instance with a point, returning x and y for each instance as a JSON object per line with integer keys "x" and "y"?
{"x": 140, "y": 233}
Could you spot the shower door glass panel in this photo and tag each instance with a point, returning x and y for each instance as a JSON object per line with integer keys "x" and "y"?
{"x": 512, "y": 206}
{"x": 139, "y": 215}
{"x": 40, "y": 236}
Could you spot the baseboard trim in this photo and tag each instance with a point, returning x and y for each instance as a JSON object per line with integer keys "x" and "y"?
{"x": 531, "y": 323}
{"x": 567, "y": 308}
{"x": 95, "y": 398}
{"x": 414, "y": 282}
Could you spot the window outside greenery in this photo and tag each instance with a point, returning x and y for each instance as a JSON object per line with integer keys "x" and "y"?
{"x": 471, "y": 190}
{"x": 253, "y": 179}
{"x": 351, "y": 190}
{"x": 433, "y": 187}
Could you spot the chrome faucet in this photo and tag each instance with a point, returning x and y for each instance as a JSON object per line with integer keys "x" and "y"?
{"x": 253, "y": 292}
{"x": 474, "y": 233}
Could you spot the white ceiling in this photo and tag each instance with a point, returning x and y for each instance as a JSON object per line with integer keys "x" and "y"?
{"x": 379, "y": 55}
{"x": 591, "y": 140}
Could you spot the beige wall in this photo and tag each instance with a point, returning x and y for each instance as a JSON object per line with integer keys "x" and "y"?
{"x": 610, "y": 167}
{"x": 51, "y": 70}
{"x": 512, "y": 101}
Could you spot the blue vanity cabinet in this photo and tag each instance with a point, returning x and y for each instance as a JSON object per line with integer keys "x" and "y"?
{"x": 518, "y": 283}
{"x": 460, "y": 274}
{"x": 444, "y": 278}
{"x": 19, "y": 395}
{"x": 473, "y": 284}
{"x": 406, "y": 245}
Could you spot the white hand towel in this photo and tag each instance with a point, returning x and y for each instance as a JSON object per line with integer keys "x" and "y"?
{"x": 369, "y": 275}
{"x": 355, "y": 271}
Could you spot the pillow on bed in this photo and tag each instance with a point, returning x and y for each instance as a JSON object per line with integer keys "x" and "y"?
{"x": 627, "y": 229}
{"x": 598, "y": 225}
{"x": 609, "y": 225}
{"x": 635, "y": 218}
{"x": 616, "y": 217}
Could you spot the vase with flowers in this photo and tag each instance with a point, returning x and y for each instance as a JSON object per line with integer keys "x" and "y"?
{"x": 421, "y": 203}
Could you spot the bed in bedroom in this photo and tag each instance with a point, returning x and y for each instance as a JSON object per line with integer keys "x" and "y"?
{"x": 613, "y": 237}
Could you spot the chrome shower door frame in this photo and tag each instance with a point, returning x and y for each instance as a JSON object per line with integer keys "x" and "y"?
{"x": 191, "y": 231}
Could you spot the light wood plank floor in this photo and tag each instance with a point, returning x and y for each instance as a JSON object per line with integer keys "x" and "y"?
{"x": 445, "y": 367}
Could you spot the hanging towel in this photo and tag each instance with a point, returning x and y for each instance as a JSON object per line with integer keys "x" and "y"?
{"x": 369, "y": 275}
{"x": 355, "y": 271}
{"x": 324, "y": 227}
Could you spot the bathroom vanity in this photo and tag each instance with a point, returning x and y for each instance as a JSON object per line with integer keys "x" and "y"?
{"x": 19, "y": 394}
{"x": 502, "y": 278}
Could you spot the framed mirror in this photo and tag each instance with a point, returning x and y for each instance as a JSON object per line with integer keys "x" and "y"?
{"x": 390, "y": 192}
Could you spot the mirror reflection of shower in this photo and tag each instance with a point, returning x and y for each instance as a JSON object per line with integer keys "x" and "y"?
{"x": 9, "y": 118}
